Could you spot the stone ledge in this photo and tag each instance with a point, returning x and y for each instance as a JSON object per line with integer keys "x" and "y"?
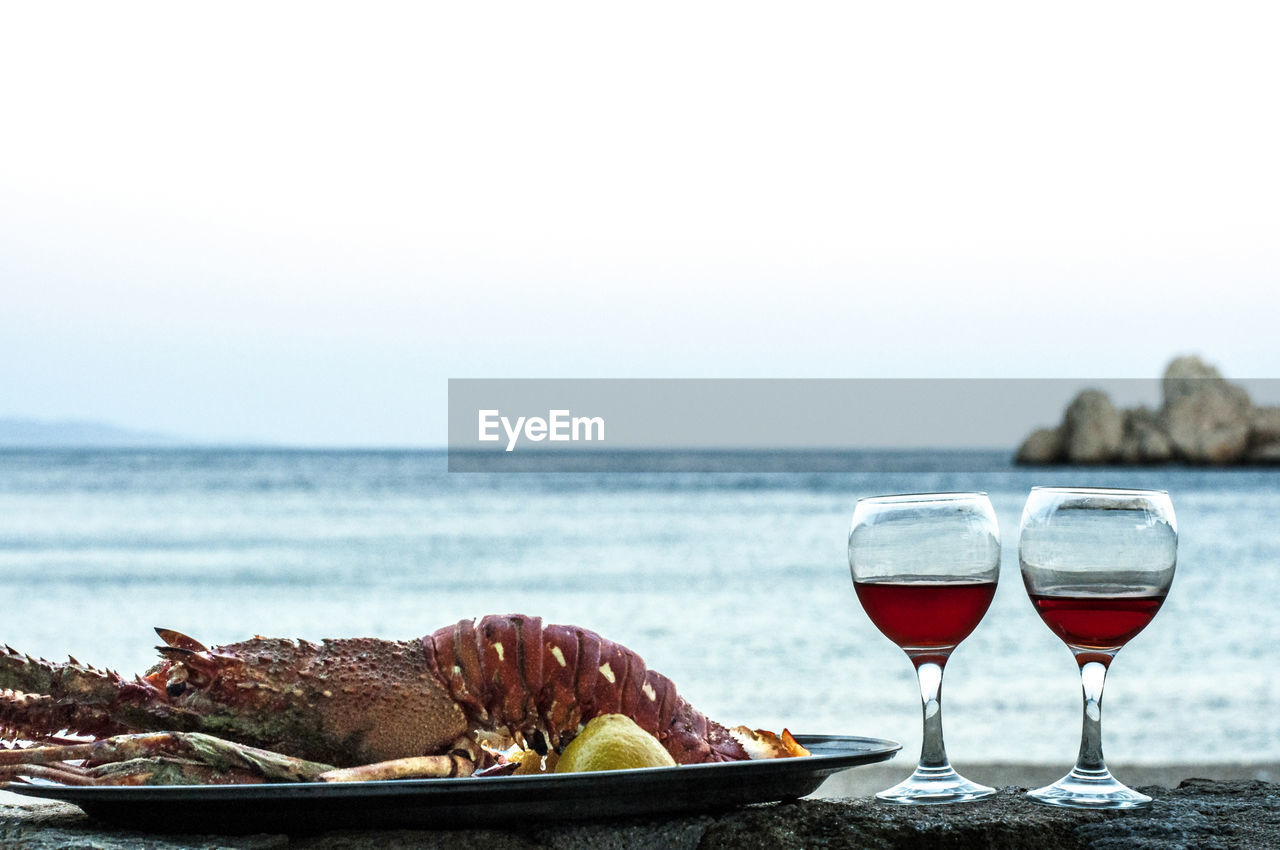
{"x": 1199, "y": 813}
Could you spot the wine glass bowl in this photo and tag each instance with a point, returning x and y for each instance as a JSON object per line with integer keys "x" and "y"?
{"x": 924, "y": 567}
{"x": 1097, "y": 564}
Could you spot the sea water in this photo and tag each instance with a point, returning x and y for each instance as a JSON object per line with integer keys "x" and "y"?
{"x": 734, "y": 584}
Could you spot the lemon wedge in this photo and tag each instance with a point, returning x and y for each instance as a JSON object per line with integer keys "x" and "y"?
{"x": 612, "y": 742}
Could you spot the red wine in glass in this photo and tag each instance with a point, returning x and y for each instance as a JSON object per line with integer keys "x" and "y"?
{"x": 923, "y": 615}
{"x": 924, "y": 567}
{"x": 1097, "y": 564}
{"x": 1096, "y": 622}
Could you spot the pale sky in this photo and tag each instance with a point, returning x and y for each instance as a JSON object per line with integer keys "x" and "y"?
{"x": 294, "y": 223}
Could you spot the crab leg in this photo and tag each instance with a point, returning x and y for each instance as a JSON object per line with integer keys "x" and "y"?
{"x": 39, "y": 716}
{"x": 21, "y": 672}
{"x": 418, "y": 767}
{"x": 63, "y": 774}
{"x": 142, "y": 771}
{"x": 217, "y": 756}
{"x": 169, "y": 758}
{"x": 39, "y": 697}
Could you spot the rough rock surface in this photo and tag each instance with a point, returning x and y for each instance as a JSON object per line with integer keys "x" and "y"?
{"x": 1264, "y": 435}
{"x": 1207, "y": 419}
{"x": 1204, "y": 419}
{"x": 1043, "y": 445}
{"x": 1199, "y": 813}
{"x": 1144, "y": 441}
{"x": 1266, "y": 425}
{"x": 1265, "y": 455}
{"x": 1185, "y": 376}
{"x": 1092, "y": 428}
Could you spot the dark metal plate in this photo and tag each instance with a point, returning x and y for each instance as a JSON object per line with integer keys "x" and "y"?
{"x": 501, "y": 801}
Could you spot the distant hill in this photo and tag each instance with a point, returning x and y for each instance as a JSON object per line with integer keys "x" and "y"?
{"x": 76, "y": 433}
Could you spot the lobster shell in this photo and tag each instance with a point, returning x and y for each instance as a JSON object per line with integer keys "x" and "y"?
{"x": 514, "y": 673}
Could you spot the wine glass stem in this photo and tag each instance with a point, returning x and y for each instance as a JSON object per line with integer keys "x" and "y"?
{"x": 1093, "y": 676}
{"x": 932, "y": 752}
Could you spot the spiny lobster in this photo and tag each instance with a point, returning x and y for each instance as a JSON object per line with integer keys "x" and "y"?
{"x": 270, "y": 709}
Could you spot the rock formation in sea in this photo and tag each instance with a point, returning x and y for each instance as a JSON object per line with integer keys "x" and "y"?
{"x": 1204, "y": 419}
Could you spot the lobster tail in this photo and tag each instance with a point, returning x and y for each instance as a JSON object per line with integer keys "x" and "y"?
{"x": 515, "y": 674}
{"x": 693, "y": 738}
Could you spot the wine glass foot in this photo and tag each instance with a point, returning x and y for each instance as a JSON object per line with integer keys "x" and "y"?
{"x": 1092, "y": 790}
{"x": 932, "y": 786}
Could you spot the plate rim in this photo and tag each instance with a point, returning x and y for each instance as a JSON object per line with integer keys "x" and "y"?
{"x": 874, "y": 750}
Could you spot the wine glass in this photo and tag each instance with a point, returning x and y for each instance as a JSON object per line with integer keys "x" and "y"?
{"x": 1097, "y": 564}
{"x": 925, "y": 568}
